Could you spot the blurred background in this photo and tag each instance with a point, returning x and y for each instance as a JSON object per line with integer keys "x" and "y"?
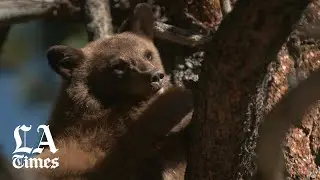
{"x": 28, "y": 86}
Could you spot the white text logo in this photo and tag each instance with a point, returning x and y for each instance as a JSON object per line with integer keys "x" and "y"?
{"x": 21, "y": 160}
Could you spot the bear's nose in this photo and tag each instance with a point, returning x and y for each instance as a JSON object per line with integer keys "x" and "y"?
{"x": 157, "y": 76}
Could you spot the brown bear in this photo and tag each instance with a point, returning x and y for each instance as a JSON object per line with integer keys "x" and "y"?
{"x": 117, "y": 115}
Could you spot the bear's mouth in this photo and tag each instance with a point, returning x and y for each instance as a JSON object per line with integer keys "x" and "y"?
{"x": 160, "y": 91}
{"x": 156, "y": 86}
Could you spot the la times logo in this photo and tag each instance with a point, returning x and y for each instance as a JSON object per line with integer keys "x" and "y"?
{"x": 20, "y": 160}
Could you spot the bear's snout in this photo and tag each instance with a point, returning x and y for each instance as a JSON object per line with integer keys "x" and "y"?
{"x": 156, "y": 76}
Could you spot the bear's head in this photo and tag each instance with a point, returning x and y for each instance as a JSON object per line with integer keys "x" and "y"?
{"x": 125, "y": 65}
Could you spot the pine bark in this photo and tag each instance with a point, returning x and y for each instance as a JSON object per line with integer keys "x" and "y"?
{"x": 221, "y": 133}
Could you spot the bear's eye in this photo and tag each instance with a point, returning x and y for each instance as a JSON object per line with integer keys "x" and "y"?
{"x": 148, "y": 55}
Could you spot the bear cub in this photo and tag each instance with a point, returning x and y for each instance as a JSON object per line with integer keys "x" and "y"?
{"x": 117, "y": 115}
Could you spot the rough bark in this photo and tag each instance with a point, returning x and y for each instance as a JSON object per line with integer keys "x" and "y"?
{"x": 297, "y": 58}
{"x": 246, "y": 41}
{"x": 184, "y": 62}
{"x": 207, "y": 11}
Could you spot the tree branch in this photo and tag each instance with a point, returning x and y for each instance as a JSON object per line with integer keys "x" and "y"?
{"x": 98, "y": 19}
{"x": 17, "y": 11}
{"x": 180, "y": 36}
{"x": 289, "y": 111}
{"x": 97, "y": 15}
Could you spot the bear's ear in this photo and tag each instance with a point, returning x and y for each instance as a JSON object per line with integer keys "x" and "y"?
{"x": 141, "y": 21}
{"x": 64, "y": 59}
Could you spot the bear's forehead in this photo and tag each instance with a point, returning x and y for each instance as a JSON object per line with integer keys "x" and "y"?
{"x": 124, "y": 43}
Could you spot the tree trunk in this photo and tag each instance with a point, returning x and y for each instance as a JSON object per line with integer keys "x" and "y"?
{"x": 297, "y": 58}
{"x": 245, "y": 43}
{"x": 302, "y": 143}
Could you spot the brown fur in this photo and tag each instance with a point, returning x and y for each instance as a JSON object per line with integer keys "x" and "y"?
{"x": 112, "y": 119}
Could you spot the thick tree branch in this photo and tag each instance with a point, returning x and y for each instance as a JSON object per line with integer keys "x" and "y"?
{"x": 289, "y": 111}
{"x": 17, "y": 11}
{"x": 180, "y": 36}
{"x": 97, "y": 16}
{"x": 98, "y": 19}
{"x": 246, "y": 41}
